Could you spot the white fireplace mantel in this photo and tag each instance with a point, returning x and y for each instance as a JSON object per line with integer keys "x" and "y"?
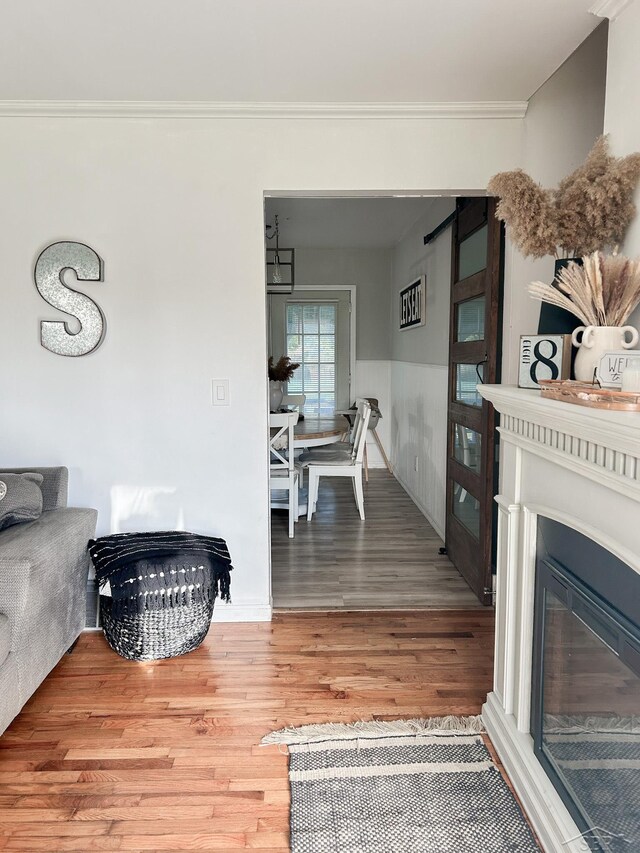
{"x": 579, "y": 466}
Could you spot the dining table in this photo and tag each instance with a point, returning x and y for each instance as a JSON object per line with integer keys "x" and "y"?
{"x": 316, "y": 430}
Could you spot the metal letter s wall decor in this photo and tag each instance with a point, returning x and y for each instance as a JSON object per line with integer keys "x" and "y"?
{"x": 50, "y": 266}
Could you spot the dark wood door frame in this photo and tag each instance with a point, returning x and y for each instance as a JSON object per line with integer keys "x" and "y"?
{"x": 474, "y": 557}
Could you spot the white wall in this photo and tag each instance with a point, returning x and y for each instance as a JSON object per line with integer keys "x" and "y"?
{"x": 563, "y": 119}
{"x": 622, "y": 110}
{"x": 175, "y": 209}
{"x": 419, "y": 432}
{"x": 419, "y": 367}
{"x": 373, "y": 379}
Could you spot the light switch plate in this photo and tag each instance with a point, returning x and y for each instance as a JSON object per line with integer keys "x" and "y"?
{"x": 220, "y": 392}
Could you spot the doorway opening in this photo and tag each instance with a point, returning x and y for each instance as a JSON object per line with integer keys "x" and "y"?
{"x": 367, "y": 316}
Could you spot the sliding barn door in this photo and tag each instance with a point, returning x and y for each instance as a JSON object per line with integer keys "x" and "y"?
{"x": 474, "y": 356}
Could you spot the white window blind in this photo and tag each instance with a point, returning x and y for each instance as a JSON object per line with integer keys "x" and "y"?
{"x": 311, "y": 341}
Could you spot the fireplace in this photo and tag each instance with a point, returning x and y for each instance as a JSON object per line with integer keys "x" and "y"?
{"x": 585, "y": 709}
{"x": 564, "y": 712}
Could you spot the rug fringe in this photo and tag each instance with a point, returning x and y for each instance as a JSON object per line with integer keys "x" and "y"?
{"x": 376, "y": 728}
{"x": 559, "y": 724}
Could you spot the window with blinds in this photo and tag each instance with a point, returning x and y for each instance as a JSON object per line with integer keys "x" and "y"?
{"x": 470, "y": 320}
{"x": 311, "y": 341}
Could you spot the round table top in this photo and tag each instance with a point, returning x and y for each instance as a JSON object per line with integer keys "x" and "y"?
{"x": 325, "y": 426}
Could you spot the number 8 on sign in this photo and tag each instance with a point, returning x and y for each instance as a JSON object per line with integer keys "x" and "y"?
{"x": 543, "y": 357}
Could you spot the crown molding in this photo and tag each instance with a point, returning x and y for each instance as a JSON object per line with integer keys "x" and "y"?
{"x": 248, "y": 110}
{"x": 609, "y": 8}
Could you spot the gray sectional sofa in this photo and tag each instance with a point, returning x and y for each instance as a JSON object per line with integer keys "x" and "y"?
{"x": 43, "y": 582}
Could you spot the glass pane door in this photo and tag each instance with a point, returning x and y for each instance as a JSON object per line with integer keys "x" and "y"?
{"x": 311, "y": 341}
{"x": 475, "y": 331}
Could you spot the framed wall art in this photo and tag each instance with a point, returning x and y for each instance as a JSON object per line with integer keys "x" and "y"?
{"x": 412, "y": 304}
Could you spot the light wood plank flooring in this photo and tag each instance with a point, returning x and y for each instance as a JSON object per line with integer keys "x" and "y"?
{"x": 164, "y": 756}
{"x": 337, "y": 561}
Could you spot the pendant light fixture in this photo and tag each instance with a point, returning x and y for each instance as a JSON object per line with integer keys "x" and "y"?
{"x": 279, "y": 262}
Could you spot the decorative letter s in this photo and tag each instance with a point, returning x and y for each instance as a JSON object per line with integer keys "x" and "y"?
{"x": 50, "y": 266}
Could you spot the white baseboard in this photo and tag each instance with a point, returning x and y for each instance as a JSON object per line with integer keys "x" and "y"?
{"x": 438, "y": 529}
{"x": 374, "y": 464}
{"x": 241, "y": 613}
{"x": 554, "y": 826}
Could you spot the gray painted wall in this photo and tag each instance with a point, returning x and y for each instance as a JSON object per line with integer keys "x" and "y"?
{"x": 370, "y": 271}
{"x": 566, "y": 114}
{"x": 428, "y": 344}
{"x": 563, "y": 119}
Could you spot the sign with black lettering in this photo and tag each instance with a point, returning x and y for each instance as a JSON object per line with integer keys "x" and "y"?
{"x": 612, "y": 366}
{"x": 543, "y": 357}
{"x": 412, "y": 300}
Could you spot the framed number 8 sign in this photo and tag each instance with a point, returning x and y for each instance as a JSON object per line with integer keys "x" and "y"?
{"x": 543, "y": 357}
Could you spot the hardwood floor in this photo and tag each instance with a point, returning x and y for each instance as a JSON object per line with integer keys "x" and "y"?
{"x": 390, "y": 560}
{"x": 164, "y": 756}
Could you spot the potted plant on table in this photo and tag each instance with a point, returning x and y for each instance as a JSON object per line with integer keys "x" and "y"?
{"x": 280, "y": 372}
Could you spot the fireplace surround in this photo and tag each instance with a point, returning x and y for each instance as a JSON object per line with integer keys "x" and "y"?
{"x": 569, "y": 476}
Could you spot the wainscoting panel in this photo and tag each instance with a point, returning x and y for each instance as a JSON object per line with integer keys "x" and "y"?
{"x": 419, "y": 432}
{"x": 373, "y": 379}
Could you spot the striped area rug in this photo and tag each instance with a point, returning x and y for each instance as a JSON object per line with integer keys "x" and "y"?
{"x": 410, "y": 786}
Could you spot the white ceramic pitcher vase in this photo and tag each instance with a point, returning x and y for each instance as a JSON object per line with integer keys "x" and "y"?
{"x": 596, "y": 341}
{"x": 276, "y": 394}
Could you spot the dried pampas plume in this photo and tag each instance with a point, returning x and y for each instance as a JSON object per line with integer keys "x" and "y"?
{"x": 590, "y": 210}
{"x": 604, "y": 291}
{"x": 528, "y": 209}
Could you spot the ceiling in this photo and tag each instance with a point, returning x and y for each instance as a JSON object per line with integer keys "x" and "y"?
{"x": 354, "y": 223}
{"x": 293, "y": 51}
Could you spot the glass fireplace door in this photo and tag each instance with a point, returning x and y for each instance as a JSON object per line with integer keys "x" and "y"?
{"x": 586, "y": 709}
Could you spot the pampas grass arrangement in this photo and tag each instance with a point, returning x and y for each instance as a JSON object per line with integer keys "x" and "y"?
{"x": 604, "y": 291}
{"x": 589, "y": 211}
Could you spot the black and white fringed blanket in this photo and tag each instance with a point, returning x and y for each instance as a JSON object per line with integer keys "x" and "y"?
{"x": 152, "y": 571}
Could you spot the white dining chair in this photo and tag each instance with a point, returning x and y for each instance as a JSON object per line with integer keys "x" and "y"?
{"x": 356, "y": 414}
{"x": 283, "y": 475}
{"x": 341, "y": 465}
{"x": 329, "y": 451}
{"x": 349, "y": 413}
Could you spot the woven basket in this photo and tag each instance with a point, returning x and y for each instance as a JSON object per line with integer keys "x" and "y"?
{"x": 156, "y": 634}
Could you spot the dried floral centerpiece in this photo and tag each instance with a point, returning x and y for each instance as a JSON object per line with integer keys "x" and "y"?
{"x": 589, "y": 212}
{"x": 280, "y": 372}
{"x": 602, "y": 291}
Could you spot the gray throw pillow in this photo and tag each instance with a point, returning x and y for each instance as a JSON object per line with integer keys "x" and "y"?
{"x": 20, "y": 498}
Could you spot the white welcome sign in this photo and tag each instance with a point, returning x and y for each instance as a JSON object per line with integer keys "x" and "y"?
{"x": 612, "y": 366}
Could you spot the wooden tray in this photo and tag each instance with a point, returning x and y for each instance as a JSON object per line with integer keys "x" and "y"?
{"x": 585, "y": 394}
